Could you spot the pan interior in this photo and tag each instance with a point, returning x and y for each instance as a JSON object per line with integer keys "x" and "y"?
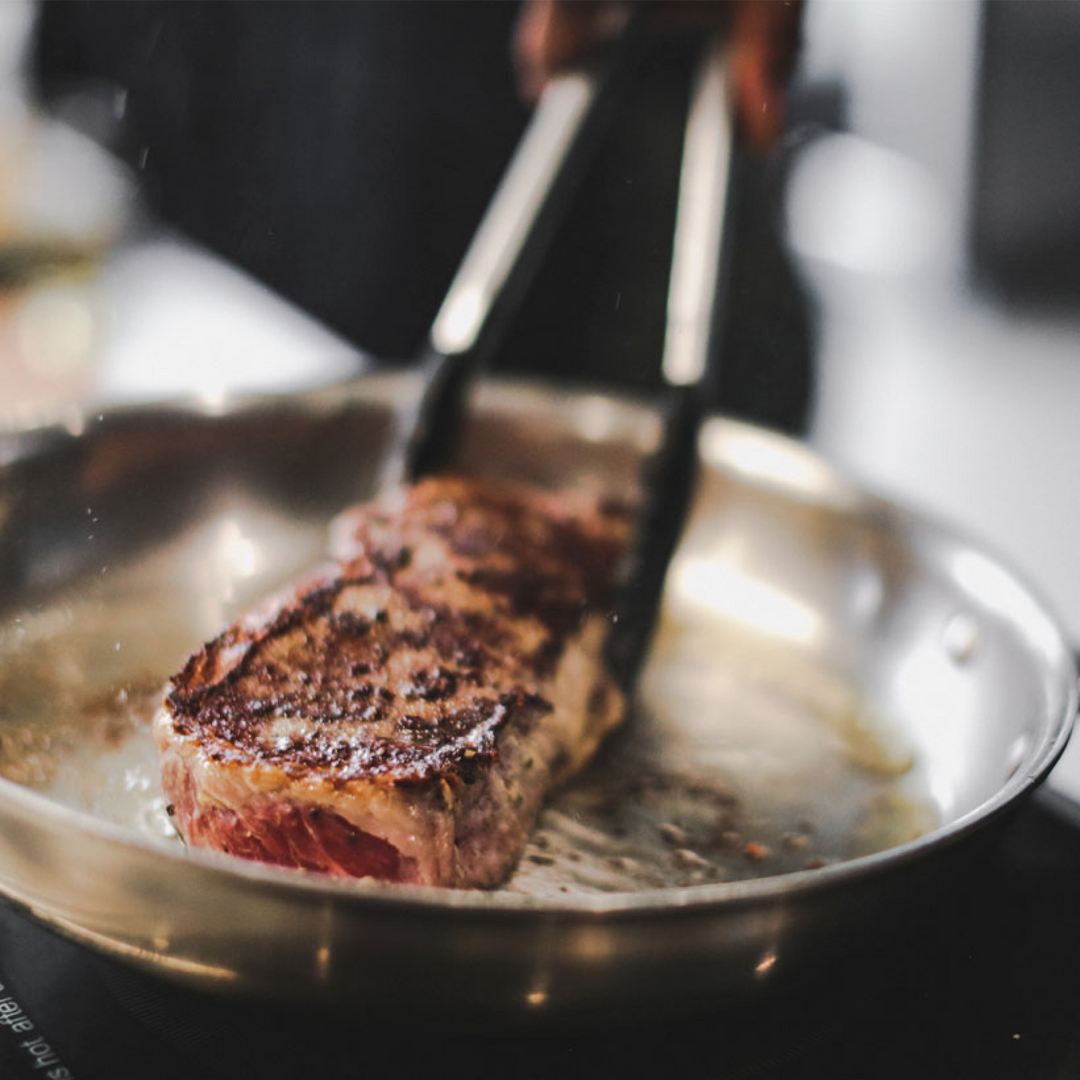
{"x": 829, "y": 679}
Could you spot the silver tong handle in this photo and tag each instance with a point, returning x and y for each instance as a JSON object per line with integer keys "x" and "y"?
{"x": 508, "y": 248}
{"x": 520, "y": 196}
{"x": 696, "y": 294}
{"x": 699, "y": 249}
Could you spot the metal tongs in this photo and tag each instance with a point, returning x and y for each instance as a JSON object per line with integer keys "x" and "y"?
{"x": 501, "y": 262}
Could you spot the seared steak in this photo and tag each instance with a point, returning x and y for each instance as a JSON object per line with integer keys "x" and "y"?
{"x": 402, "y": 714}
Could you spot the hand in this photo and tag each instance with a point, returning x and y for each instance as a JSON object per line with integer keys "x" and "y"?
{"x": 763, "y": 37}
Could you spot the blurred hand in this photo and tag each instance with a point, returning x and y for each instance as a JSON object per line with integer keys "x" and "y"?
{"x": 763, "y": 38}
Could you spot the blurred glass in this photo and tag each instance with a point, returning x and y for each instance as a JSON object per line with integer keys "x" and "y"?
{"x": 63, "y": 204}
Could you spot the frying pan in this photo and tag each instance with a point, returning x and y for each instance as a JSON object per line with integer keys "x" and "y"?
{"x": 842, "y": 701}
{"x": 835, "y": 679}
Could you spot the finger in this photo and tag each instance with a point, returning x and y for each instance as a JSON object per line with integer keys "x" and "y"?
{"x": 555, "y": 34}
{"x": 764, "y": 46}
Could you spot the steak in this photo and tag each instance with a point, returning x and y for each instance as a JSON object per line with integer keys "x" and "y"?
{"x": 402, "y": 713}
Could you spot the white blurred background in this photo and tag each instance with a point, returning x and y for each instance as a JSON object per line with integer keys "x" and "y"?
{"x": 938, "y": 232}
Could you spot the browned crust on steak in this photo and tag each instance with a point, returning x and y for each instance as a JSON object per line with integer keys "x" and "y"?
{"x": 451, "y": 609}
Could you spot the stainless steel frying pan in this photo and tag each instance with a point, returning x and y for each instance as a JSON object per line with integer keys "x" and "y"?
{"x": 843, "y": 697}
